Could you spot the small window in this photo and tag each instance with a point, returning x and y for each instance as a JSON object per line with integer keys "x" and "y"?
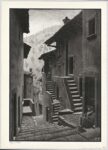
{"x": 91, "y": 26}
{"x": 91, "y": 29}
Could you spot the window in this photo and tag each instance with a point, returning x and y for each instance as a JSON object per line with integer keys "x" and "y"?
{"x": 71, "y": 66}
{"x": 91, "y": 28}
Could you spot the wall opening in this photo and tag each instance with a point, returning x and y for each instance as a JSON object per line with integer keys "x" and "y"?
{"x": 90, "y": 93}
{"x": 40, "y": 109}
{"x": 71, "y": 65}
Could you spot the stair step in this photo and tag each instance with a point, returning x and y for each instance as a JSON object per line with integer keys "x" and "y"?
{"x": 53, "y": 97}
{"x": 70, "y": 78}
{"x": 77, "y": 104}
{"x": 56, "y": 105}
{"x": 74, "y": 92}
{"x": 76, "y": 96}
{"x": 55, "y": 116}
{"x": 50, "y": 90}
{"x": 55, "y": 119}
{"x": 73, "y": 87}
{"x": 77, "y": 100}
{"x": 72, "y": 84}
{"x": 56, "y": 113}
{"x": 52, "y": 94}
{"x": 77, "y": 113}
{"x": 56, "y": 110}
{"x": 70, "y": 81}
{"x": 78, "y": 108}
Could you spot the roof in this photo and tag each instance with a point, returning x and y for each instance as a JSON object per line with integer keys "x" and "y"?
{"x": 48, "y": 54}
{"x": 26, "y": 50}
{"x": 73, "y": 26}
{"x": 23, "y": 17}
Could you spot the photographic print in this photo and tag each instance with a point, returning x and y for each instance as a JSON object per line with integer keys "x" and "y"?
{"x": 55, "y": 75}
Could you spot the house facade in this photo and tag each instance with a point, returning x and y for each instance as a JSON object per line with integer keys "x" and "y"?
{"x": 19, "y": 24}
{"x": 92, "y": 62}
{"x": 75, "y": 67}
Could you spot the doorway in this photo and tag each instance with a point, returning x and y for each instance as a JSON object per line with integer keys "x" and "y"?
{"x": 71, "y": 65}
{"x": 90, "y": 93}
{"x": 40, "y": 109}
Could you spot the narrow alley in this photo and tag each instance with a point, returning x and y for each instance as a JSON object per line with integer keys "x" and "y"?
{"x": 33, "y": 128}
{"x": 55, "y": 75}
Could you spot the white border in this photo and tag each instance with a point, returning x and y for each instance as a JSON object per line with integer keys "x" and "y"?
{"x": 5, "y": 75}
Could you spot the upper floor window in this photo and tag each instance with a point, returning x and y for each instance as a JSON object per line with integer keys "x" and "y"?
{"x": 92, "y": 28}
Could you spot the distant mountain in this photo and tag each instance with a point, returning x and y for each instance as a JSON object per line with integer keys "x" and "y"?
{"x": 38, "y": 47}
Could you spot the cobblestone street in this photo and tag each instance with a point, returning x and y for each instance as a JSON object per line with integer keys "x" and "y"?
{"x": 35, "y": 129}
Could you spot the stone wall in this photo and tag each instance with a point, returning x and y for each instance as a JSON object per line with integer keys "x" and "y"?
{"x": 75, "y": 51}
{"x": 92, "y": 55}
{"x": 16, "y": 71}
{"x": 28, "y": 86}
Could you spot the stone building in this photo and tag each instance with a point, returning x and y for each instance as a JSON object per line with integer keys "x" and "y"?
{"x": 19, "y": 24}
{"x": 74, "y": 67}
{"x": 28, "y": 85}
{"x": 91, "y": 77}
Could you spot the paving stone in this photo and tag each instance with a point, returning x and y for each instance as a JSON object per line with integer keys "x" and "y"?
{"x": 44, "y": 131}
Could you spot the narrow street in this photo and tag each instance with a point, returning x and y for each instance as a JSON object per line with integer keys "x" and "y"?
{"x": 55, "y": 80}
{"x": 35, "y": 129}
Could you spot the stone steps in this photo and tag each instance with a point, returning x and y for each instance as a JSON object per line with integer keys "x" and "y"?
{"x": 76, "y": 101}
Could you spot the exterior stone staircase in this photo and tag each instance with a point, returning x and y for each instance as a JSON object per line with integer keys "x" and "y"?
{"x": 74, "y": 95}
{"x": 56, "y": 109}
{"x": 55, "y": 103}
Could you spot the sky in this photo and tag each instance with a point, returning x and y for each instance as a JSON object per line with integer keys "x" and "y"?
{"x": 39, "y": 19}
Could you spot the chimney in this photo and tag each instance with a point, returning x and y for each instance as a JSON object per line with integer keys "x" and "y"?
{"x": 66, "y": 20}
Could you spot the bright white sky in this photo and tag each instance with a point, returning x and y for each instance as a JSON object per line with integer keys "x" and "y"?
{"x": 41, "y": 19}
